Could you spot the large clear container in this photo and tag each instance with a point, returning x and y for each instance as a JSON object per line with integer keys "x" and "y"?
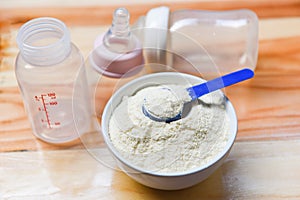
{"x": 199, "y": 42}
{"x": 51, "y": 75}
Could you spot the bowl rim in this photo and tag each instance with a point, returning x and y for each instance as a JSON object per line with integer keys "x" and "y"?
{"x": 105, "y": 132}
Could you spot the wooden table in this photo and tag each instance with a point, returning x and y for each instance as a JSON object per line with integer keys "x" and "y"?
{"x": 264, "y": 162}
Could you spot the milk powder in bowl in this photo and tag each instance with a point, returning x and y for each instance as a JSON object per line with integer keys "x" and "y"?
{"x": 171, "y": 155}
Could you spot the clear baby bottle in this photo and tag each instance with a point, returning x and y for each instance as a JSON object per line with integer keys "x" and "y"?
{"x": 51, "y": 75}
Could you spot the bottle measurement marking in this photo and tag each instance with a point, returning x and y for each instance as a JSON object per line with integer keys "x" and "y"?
{"x": 47, "y": 101}
{"x": 45, "y": 109}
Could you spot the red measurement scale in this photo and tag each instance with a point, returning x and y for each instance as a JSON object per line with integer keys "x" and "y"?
{"x": 47, "y": 102}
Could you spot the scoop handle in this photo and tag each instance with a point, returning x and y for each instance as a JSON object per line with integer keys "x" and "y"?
{"x": 220, "y": 82}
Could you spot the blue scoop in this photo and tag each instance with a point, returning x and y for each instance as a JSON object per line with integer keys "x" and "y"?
{"x": 199, "y": 90}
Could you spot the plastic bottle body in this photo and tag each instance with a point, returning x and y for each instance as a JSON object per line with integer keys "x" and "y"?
{"x": 53, "y": 86}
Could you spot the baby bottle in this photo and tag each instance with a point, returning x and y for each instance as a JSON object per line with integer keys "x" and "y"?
{"x": 117, "y": 58}
{"x": 51, "y": 75}
{"x": 118, "y": 52}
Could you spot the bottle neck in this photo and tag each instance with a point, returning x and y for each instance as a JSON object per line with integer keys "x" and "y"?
{"x": 118, "y": 38}
{"x": 44, "y": 41}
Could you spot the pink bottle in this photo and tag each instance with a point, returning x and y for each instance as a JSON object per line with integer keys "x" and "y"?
{"x": 118, "y": 52}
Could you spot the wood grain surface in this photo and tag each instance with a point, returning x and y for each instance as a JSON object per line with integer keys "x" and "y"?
{"x": 254, "y": 170}
{"x": 100, "y": 12}
{"x": 265, "y": 160}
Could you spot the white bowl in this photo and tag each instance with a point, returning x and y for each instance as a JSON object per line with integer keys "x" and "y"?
{"x": 154, "y": 179}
